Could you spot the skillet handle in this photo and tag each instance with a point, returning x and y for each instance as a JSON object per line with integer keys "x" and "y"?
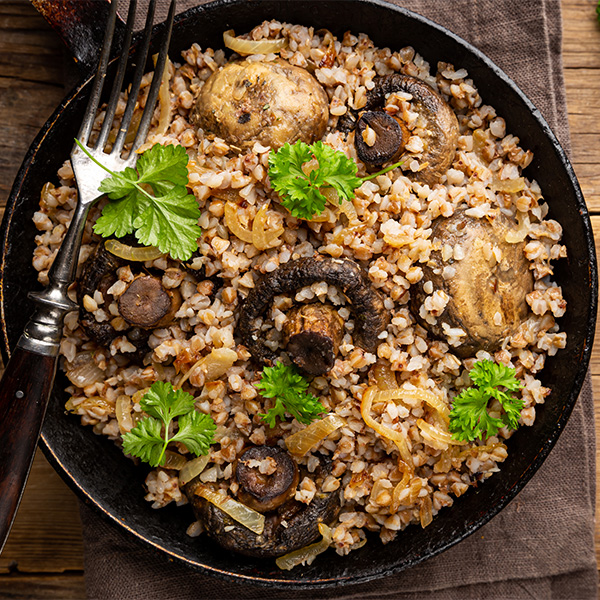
{"x": 24, "y": 392}
{"x": 80, "y": 24}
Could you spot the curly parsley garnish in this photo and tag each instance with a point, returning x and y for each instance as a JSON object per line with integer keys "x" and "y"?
{"x": 288, "y": 388}
{"x": 166, "y": 218}
{"x": 148, "y": 440}
{"x": 469, "y": 417}
{"x": 300, "y": 192}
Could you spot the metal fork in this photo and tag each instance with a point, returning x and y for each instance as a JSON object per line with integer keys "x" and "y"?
{"x": 29, "y": 375}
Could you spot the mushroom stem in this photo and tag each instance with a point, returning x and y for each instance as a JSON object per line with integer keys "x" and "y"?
{"x": 313, "y": 333}
{"x": 145, "y": 303}
{"x": 267, "y": 476}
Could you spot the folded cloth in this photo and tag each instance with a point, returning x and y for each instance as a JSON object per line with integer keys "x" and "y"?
{"x": 542, "y": 544}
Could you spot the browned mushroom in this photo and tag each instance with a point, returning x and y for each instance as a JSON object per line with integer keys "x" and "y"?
{"x": 369, "y": 312}
{"x": 99, "y": 274}
{"x": 291, "y": 526}
{"x": 313, "y": 333}
{"x": 438, "y": 121}
{"x": 487, "y": 287}
{"x": 146, "y": 303}
{"x": 267, "y": 476}
{"x": 389, "y": 137}
{"x": 269, "y": 102}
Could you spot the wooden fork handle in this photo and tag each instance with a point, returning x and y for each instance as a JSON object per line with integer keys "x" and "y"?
{"x": 24, "y": 392}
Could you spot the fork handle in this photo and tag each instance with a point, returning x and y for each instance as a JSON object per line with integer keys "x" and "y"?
{"x": 29, "y": 375}
{"x": 24, "y": 392}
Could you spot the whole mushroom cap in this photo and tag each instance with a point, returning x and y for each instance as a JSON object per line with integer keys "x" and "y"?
{"x": 269, "y": 102}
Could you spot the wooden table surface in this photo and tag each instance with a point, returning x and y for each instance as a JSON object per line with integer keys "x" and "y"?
{"x": 43, "y": 557}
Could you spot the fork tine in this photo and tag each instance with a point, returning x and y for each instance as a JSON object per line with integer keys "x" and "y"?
{"x": 93, "y": 102}
{"x": 141, "y": 57}
{"x": 156, "y": 81}
{"x": 118, "y": 83}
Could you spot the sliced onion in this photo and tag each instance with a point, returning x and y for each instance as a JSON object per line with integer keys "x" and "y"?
{"x": 46, "y": 191}
{"x": 385, "y": 377}
{"x": 232, "y": 221}
{"x": 261, "y": 238}
{"x": 401, "y": 485}
{"x": 515, "y": 236}
{"x": 88, "y": 404}
{"x": 133, "y": 253}
{"x": 84, "y": 371}
{"x": 213, "y": 365}
{"x": 345, "y": 207}
{"x": 511, "y": 186}
{"x": 306, "y": 555}
{"x": 327, "y": 216}
{"x": 173, "y": 460}
{"x": 302, "y": 441}
{"x": 444, "y": 464}
{"x": 246, "y": 47}
{"x": 390, "y": 434}
{"x": 192, "y": 469}
{"x": 164, "y": 99}
{"x": 426, "y": 512}
{"x": 437, "y": 438}
{"x": 123, "y": 413}
{"x": 406, "y": 495}
{"x": 139, "y": 395}
{"x": 483, "y": 448}
{"x": 413, "y": 398}
{"x": 241, "y": 513}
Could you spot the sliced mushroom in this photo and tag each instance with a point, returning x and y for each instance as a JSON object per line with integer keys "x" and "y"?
{"x": 370, "y": 315}
{"x": 269, "y": 102}
{"x": 440, "y": 122}
{"x": 293, "y": 525}
{"x": 267, "y": 476}
{"x": 313, "y": 333}
{"x": 98, "y": 274}
{"x": 379, "y": 137}
{"x": 146, "y": 303}
{"x": 487, "y": 287}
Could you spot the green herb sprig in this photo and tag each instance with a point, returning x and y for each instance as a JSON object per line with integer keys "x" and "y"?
{"x": 300, "y": 193}
{"x": 167, "y": 217}
{"x": 288, "y": 388}
{"x": 148, "y": 440}
{"x": 469, "y": 417}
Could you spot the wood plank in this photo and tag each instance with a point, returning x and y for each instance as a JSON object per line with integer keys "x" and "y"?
{"x": 21, "y": 120}
{"x": 49, "y": 587}
{"x": 46, "y": 535}
{"x": 581, "y": 42}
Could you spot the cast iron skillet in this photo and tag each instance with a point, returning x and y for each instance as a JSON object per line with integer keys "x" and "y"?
{"x": 98, "y": 471}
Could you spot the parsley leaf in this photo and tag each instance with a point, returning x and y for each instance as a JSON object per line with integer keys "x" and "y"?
{"x": 166, "y": 218}
{"x": 163, "y": 404}
{"x": 300, "y": 192}
{"x": 288, "y": 387}
{"x": 469, "y": 417}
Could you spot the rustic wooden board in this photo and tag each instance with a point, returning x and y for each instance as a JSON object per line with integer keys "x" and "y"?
{"x": 46, "y": 535}
{"x": 43, "y": 556}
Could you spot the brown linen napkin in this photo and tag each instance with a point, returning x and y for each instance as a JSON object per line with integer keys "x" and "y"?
{"x": 542, "y": 544}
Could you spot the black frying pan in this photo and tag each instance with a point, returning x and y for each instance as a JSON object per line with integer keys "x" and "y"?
{"x": 98, "y": 471}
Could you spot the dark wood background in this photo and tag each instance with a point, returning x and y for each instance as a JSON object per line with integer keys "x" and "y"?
{"x": 43, "y": 557}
